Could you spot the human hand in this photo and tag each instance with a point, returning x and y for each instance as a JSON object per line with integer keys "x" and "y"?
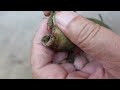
{"x": 45, "y": 61}
{"x": 98, "y": 60}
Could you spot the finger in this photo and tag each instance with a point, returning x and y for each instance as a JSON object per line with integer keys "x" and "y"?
{"x": 101, "y": 73}
{"x": 40, "y": 54}
{"x": 84, "y": 33}
{"x": 88, "y": 36}
{"x": 59, "y": 57}
{"x": 46, "y": 13}
{"x": 64, "y": 61}
{"x": 77, "y": 75}
{"x": 68, "y": 67}
{"x": 80, "y": 62}
{"x": 91, "y": 67}
{"x": 74, "y": 26}
{"x": 51, "y": 71}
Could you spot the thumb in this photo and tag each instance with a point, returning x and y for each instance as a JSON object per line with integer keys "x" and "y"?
{"x": 93, "y": 39}
{"x": 78, "y": 29}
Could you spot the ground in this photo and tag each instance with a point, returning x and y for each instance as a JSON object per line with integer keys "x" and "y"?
{"x": 17, "y": 29}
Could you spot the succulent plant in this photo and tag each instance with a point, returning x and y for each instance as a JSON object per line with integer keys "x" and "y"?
{"x": 58, "y": 41}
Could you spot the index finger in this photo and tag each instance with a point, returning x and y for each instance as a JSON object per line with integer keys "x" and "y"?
{"x": 41, "y": 55}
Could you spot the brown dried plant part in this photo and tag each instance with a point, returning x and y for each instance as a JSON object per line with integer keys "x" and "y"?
{"x": 58, "y": 41}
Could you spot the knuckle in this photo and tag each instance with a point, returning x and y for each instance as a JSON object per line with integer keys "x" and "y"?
{"x": 88, "y": 32}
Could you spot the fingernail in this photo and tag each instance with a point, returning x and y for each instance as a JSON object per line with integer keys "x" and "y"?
{"x": 63, "y": 18}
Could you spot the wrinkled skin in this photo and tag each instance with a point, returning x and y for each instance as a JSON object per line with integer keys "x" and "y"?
{"x": 47, "y": 64}
{"x": 98, "y": 62}
{"x": 58, "y": 41}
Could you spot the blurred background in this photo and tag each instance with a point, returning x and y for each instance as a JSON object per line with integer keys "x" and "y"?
{"x": 17, "y": 29}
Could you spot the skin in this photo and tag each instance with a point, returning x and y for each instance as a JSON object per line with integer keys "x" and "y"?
{"x": 101, "y": 59}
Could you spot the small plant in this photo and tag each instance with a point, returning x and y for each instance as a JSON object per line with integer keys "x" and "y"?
{"x": 58, "y": 41}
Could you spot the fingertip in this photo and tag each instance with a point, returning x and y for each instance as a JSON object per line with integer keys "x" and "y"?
{"x": 99, "y": 74}
{"x": 80, "y": 62}
{"x": 91, "y": 67}
{"x": 46, "y": 13}
{"x": 64, "y": 18}
{"x": 59, "y": 57}
{"x": 68, "y": 67}
{"x": 51, "y": 71}
{"x": 69, "y": 24}
{"x": 77, "y": 75}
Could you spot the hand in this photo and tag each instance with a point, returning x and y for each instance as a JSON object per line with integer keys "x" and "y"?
{"x": 98, "y": 62}
{"x": 44, "y": 60}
